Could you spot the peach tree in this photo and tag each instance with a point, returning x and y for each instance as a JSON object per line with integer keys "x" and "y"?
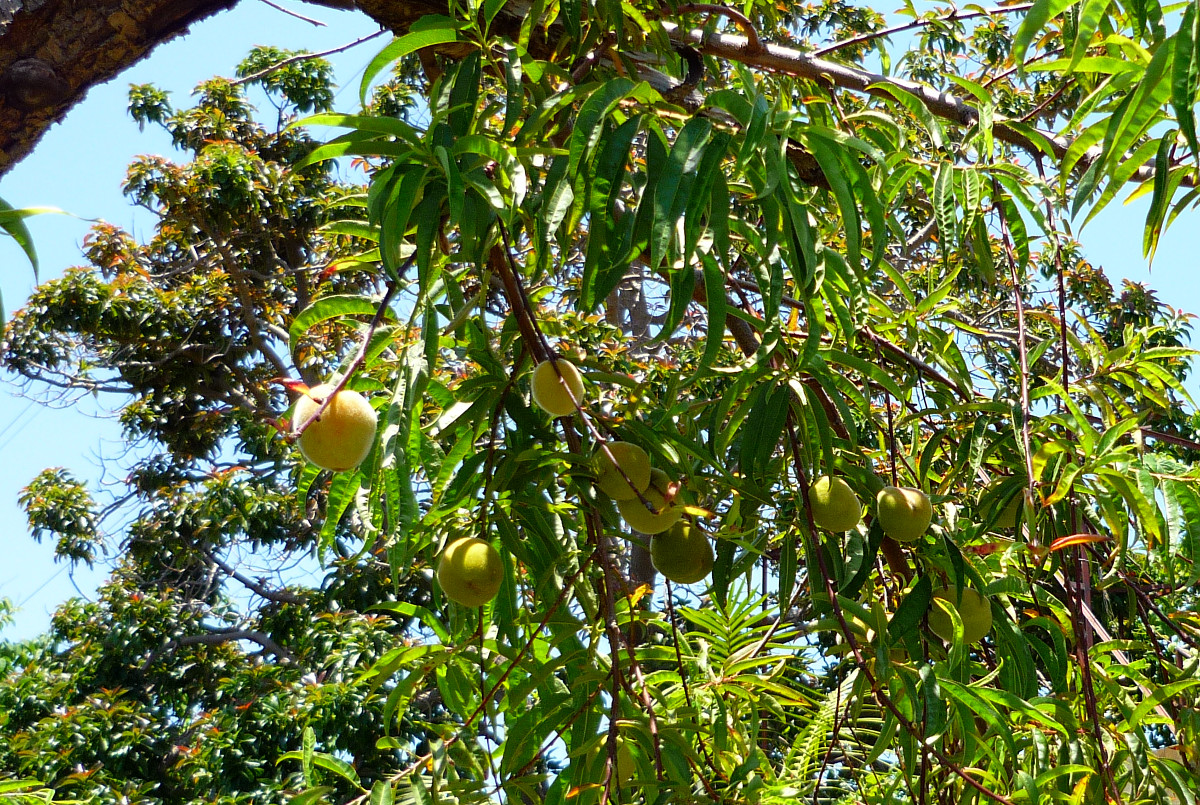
{"x": 778, "y": 243}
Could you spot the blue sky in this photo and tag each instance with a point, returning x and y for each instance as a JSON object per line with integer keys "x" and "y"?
{"x": 80, "y": 165}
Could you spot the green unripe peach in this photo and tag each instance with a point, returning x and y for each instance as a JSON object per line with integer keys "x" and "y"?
{"x": 1010, "y": 515}
{"x": 550, "y": 391}
{"x": 626, "y": 767}
{"x": 904, "y": 513}
{"x": 624, "y": 764}
{"x": 642, "y": 519}
{"x": 341, "y": 438}
{"x": 835, "y": 507}
{"x": 632, "y": 460}
{"x": 470, "y": 572}
{"x": 975, "y": 612}
{"x": 682, "y": 553}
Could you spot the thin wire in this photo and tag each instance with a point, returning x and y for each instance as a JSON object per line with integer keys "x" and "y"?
{"x": 43, "y": 586}
{"x": 21, "y": 429}
{"x": 17, "y": 418}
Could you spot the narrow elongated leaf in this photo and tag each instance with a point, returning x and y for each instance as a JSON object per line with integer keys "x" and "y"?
{"x": 1144, "y": 108}
{"x": 912, "y": 609}
{"x": 1161, "y": 694}
{"x": 326, "y": 308}
{"x": 12, "y": 221}
{"x": 916, "y": 107}
{"x": 1166, "y": 182}
{"x": 1035, "y": 20}
{"x": 611, "y": 235}
{"x": 589, "y": 123}
{"x": 377, "y": 124}
{"x": 1185, "y": 76}
{"x": 673, "y": 191}
{"x": 839, "y": 184}
{"x": 943, "y": 207}
{"x": 429, "y": 31}
{"x": 1091, "y": 12}
{"x": 382, "y": 794}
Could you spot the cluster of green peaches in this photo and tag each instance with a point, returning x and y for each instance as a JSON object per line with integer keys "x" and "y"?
{"x": 904, "y": 515}
{"x": 645, "y": 496}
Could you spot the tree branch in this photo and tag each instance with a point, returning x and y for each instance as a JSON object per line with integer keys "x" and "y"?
{"x": 279, "y": 65}
{"x": 942, "y": 104}
{"x": 278, "y": 596}
{"x": 228, "y": 635}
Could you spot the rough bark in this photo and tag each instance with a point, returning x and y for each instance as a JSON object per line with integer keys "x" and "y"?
{"x": 53, "y": 51}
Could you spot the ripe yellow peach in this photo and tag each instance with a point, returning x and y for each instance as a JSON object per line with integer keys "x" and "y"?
{"x": 550, "y": 392}
{"x": 341, "y": 438}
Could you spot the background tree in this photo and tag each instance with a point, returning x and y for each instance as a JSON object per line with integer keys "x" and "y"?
{"x": 193, "y": 674}
{"x": 770, "y": 268}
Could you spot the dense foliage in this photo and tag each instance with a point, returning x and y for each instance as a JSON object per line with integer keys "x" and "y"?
{"x": 770, "y": 268}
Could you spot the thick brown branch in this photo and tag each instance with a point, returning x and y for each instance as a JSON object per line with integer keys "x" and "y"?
{"x": 229, "y": 635}
{"x": 942, "y": 104}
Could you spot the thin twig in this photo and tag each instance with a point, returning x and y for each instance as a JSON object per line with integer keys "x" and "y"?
{"x": 291, "y": 13}
{"x": 376, "y": 320}
{"x": 953, "y": 15}
{"x": 304, "y": 56}
{"x": 945, "y": 105}
{"x": 278, "y": 596}
{"x": 231, "y": 635}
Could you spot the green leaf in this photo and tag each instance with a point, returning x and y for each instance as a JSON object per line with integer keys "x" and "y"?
{"x": 762, "y": 429}
{"x": 1185, "y": 76}
{"x": 589, "y": 123}
{"x": 1158, "y": 696}
{"x": 610, "y": 237}
{"x": 381, "y": 793}
{"x": 933, "y": 705}
{"x": 1144, "y": 108}
{"x": 308, "y": 744}
{"x": 672, "y": 192}
{"x": 12, "y": 221}
{"x": 1166, "y": 182}
{"x": 428, "y": 31}
{"x": 831, "y": 166}
{"x": 984, "y": 710}
{"x": 325, "y": 308}
{"x": 389, "y": 126}
{"x": 354, "y": 144}
{"x": 714, "y": 301}
{"x": 337, "y": 766}
{"x": 1091, "y": 12}
{"x": 912, "y": 609}
{"x": 1035, "y": 20}
{"x": 944, "y": 207}
{"x": 915, "y": 106}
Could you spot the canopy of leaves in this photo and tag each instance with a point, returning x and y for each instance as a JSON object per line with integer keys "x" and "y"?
{"x": 770, "y": 267}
